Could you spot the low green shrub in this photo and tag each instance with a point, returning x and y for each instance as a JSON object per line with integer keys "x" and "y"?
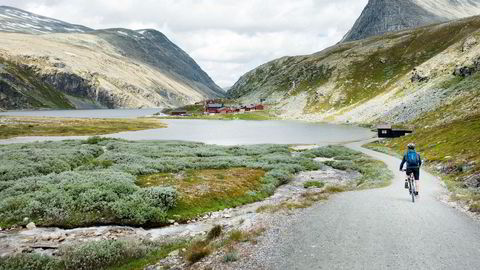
{"x": 95, "y": 140}
{"x": 315, "y": 184}
{"x": 332, "y": 151}
{"x": 23, "y": 160}
{"x": 104, "y": 253}
{"x": 33, "y": 261}
{"x": 230, "y": 256}
{"x": 81, "y": 198}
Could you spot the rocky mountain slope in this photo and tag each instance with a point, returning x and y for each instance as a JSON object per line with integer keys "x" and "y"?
{"x": 46, "y": 63}
{"x": 382, "y": 16}
{"x": 426, "y": 73}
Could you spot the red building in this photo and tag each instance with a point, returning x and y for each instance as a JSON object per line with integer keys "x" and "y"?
{"x": 213, "y": 108}
{"x": 226, "y": 110}
{"x": 259, "y": 107}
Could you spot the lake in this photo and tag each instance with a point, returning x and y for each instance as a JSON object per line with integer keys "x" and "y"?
{"x": 221, "y": 132}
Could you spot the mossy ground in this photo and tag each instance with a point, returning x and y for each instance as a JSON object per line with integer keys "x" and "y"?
{"x": 202, "y": 191}
{"x": 49, "y": 126}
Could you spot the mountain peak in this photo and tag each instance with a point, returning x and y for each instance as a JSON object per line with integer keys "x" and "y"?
{"x": 383, "y": 16}
{"x": 15, "y": 20}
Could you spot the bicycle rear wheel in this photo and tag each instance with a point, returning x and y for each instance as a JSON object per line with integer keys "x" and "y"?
{"x": 414, "y": 189}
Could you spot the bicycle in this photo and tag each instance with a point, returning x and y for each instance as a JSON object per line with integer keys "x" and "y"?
{"x": 412, "y": 188}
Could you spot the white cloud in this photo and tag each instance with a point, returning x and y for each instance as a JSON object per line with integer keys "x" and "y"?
{"x": 226, "y": 37}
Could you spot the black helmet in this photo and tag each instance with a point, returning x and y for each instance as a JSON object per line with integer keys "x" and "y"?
{"x": 411, "y": 146}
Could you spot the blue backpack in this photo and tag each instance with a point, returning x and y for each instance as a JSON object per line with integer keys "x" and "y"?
{"x": 412, "y": 159}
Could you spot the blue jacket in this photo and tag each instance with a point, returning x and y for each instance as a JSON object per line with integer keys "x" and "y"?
{"x": 419, "y": 163}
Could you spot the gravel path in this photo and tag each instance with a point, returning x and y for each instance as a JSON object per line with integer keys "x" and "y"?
{"x": 375, "y": 229}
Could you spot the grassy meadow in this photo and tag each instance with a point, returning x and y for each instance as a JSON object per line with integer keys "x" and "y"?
{"x": 53, "y": 126}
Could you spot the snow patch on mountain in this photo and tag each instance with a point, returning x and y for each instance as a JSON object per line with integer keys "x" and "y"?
{"x": 18, "y": 21}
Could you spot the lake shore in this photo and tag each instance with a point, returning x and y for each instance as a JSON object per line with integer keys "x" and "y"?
{"x": 22, "y": 126}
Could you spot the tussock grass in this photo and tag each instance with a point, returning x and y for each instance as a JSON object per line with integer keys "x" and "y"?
{"x": 245, "y": 236}
{"x": 50, "y": 126}
{"x": 215, "y": 232}
{"x": 197, "y": 251}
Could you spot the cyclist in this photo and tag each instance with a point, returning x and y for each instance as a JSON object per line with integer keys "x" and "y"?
{"x": 413, "y": 160}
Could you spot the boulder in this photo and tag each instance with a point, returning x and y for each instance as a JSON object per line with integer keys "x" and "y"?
{"x": 472, "y": 181}
{"x": 31, "y": 226}
{"x": 464, "y": 71}
{"x": 418, "y": 76}
{"x": 174, "y": 253}
{"x": 469, "y": 43}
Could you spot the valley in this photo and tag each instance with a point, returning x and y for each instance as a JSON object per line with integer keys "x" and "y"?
{"x": 116, "y": 152}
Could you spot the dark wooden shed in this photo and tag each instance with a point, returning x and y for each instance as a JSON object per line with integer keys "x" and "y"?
{"x": 178, "y": 113}
{"x": 386, "y": 131}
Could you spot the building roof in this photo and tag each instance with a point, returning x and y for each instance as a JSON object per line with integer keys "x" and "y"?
{"x": 384, "y": 126}
{"x": 215, "y": 105}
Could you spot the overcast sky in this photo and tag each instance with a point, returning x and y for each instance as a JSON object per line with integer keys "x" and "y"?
{"x": 226, "y": 37}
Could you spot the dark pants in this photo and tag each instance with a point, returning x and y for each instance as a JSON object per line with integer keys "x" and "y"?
{"x": 415, "y": 171}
